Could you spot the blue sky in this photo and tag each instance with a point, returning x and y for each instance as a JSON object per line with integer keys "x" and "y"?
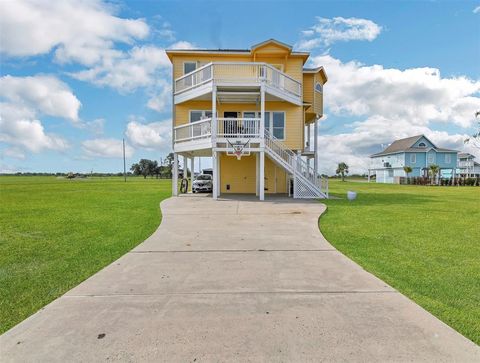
{"x": 78, "y": 76}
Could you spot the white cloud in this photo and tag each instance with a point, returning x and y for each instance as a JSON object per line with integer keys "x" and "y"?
{"x": 420, "y": 95}
{"x": 95, "y": 127}
{"x": 153, "y": 136}
{"x": 80, "y": 31}
{"x": 161, "y": 96}
{"x": 476, "y": 10}
{"x": 328, "y": 31}
{"x": 105, "y": 148}
{"x": 46, "y": 94}
{"x": 139, "y": 67}
{"x": 389, "y": 104}
{"x": 90, "y": 33}
{"x": 182, "y": 44}
{"x": 19, "y": 127}
{"x": 14, "y": 152}
{"x": 27, "y": 98}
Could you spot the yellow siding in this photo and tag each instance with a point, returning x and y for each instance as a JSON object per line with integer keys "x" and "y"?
{"x": 291, "y": 66}
{"x": 179, "y": 60}
{"x": 293, "y": 115}
{"x": 308, "y": 87}
{"x": 240, "y": 175}
{"x": 269, "y": 53}
{"x": 318, "y": 97}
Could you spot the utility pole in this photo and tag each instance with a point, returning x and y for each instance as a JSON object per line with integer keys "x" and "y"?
{"x": 124, "y": 163}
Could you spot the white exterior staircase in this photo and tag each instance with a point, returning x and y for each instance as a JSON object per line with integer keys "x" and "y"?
{"x": 307, "y": 183}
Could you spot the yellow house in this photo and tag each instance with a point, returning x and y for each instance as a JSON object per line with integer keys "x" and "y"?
{"x": 252, "y": 111}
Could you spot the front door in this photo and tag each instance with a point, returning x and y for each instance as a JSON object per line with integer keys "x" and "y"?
{"x": 230, "y": 126}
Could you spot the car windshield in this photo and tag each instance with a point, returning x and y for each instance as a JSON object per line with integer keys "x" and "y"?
{"x": 204, "y": 177}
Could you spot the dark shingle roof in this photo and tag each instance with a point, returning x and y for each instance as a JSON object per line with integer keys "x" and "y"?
{"x": 466, "y": 155}
{"x": 399, "y": 145}
{"x": 406, "y": 145}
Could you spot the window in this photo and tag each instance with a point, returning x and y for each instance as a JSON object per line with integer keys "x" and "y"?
{"x": 189, "y": 67}
{"x": 200, "y": 115}
{"x": 431, "y": 158}
{"x": 422, "y": 144}
{"x": 278, "y": 125}
{"x": 448, "y": 158}
{"x": 274, "y": 122}
{"x": 251, "y": 114}
{"x": 318, "y": 87}
{"x": 413, "y": 158}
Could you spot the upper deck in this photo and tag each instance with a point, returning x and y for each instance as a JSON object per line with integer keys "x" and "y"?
{"x": 237, "y": 82}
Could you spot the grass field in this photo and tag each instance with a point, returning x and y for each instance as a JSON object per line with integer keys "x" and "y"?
{"x": 423, "y": 241}
{"x": 54, "y": 233}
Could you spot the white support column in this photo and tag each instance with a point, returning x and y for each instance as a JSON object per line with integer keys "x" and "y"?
{"x": 185, "y": 168}
{"x": 315, "y": 146}
{"x": 215, "y": 156}
{"x": 215, "y": 174}
{"x": 262, "y": 176}
{"x": 218, "y": 174}
{"x": 175, "y": 175}
{"x": 257, "y": 174}
{"x": 294, "y": 176}
{"x": 309, "y": 142}
{"x": 214, "y": 115}
{"x": 262, "y": 114}
{"x": 192, "y": 171}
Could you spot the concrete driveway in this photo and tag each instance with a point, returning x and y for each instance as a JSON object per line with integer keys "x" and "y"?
{"x": 234, "y": 280}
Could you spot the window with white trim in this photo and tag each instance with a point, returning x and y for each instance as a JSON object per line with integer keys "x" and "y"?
{"x": 413, "y": 158}
{"x": 251, "y": 114}
{"x": 189, "y": 67}
{"x": 431, "y": 158}
{"x": 197, "y": 115}
{"x": 278, "y": 125}
{"x": 318, "y": 87}
{"x": 448, "y": 158}
{"x": 274, "y": 122}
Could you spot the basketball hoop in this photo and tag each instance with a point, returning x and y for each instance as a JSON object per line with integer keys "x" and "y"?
{"x": 238, "y": 149}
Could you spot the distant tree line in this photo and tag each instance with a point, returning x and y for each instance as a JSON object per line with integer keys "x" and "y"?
{"x": 146, "y": 167}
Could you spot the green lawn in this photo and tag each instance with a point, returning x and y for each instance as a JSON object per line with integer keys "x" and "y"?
{"x": 423, "y": 241}
{"x": 54, "y": 233}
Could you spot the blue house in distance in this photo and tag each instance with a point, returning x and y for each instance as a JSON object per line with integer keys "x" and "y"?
{"x": 418, "y": 152}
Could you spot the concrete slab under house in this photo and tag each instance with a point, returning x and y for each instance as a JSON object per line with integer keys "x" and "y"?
{"x": 255, "y": 113}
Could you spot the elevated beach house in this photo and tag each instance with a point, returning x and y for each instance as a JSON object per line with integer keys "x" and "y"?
{"x": 467, "y": 167}
{"x": 252, "y": 111}
{"x": 417, "y": 152}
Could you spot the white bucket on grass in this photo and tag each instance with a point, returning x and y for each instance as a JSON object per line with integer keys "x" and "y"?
{"x": 351, "y": 195}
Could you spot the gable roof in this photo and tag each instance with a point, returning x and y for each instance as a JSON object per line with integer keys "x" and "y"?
{"x": 316, "y": 70}
{"x": 271, "y": 41}
{"x": 466, "y": 155}
{"x": 243, "y": 52}
{"x": 406, "y": 145}
{"x": 400, "y": 145}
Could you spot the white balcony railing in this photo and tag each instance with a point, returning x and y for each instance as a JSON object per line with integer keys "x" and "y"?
{"x": 465, "y": 164}
{"x": 239, "y": 73}
{"x": 193, "y": 131}
{"x": 238, "y": 127}
{"x": 226, "y": 128}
